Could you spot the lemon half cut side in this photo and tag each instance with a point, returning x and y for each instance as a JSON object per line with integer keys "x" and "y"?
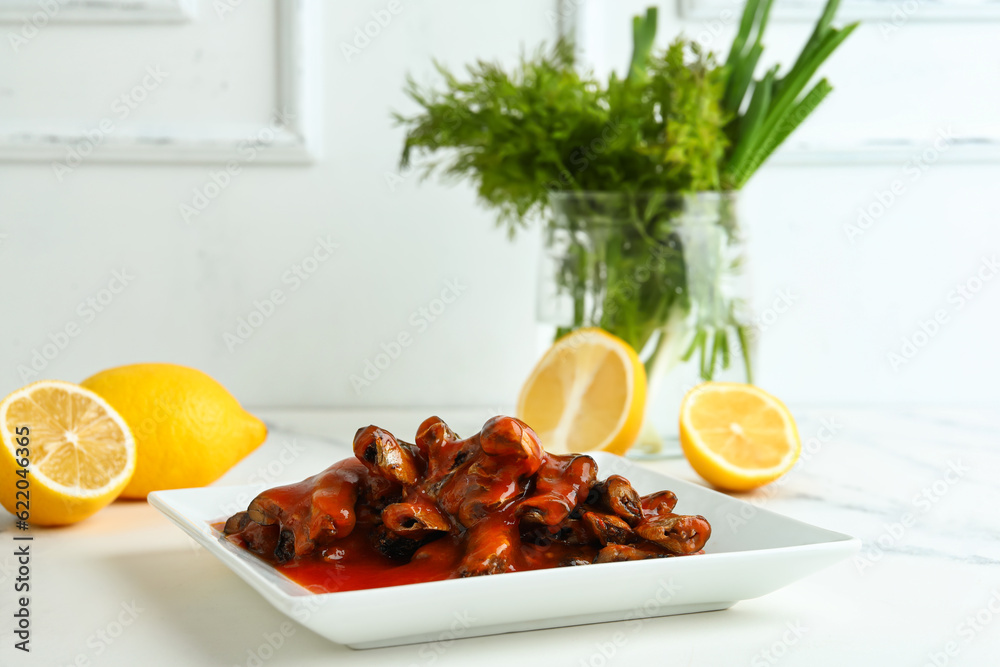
{"x": 737, "y": 436}
{"x": 79, "y": 450}
{"x": 587, "y": 393}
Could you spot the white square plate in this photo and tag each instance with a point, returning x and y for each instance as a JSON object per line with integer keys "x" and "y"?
{"x": 752, "y": 556}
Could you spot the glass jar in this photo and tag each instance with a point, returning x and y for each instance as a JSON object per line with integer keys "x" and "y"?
{"x": 662, "y": 271}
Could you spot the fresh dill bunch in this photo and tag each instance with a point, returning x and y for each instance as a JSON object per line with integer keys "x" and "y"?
{"x": 677, "y": 122}
{"x": 545, "y": 126}
{"x": 680, "y": 126}
{"x": 510, "y": 133}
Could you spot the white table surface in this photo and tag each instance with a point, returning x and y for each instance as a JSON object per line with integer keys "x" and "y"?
{"x": 126, "y": 587}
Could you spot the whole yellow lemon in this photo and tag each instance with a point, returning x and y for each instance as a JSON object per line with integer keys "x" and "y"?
{"x": 188, "y": 428}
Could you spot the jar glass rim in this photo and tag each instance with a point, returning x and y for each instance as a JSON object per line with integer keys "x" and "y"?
{"x": 609, "y": 194}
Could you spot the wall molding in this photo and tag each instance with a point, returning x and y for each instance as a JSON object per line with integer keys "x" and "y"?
{"x": 43, "y": 12}
{"x": 959, "y": 150}
{"x": 852, "y": 10}
{"x": 290, "y": 137}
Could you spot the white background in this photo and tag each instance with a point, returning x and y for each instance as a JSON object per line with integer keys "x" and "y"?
{"x": 399, "y": 242}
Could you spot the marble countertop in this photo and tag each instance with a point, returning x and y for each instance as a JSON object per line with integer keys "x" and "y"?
{"x": 918, "y": 486}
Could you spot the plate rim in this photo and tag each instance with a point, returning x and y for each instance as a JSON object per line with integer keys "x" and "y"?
{"x": 244, "y": 563}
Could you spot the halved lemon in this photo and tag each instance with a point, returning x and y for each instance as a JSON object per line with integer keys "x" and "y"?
{"x": 737, "y": 436}
{"x": 66, "y": 453}
{"x": 588, "y": 392}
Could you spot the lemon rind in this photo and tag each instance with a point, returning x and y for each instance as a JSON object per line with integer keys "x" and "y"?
{"x": 791, "y": 433}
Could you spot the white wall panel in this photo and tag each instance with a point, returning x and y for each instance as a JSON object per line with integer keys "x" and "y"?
{"x": 194, "y": 280}
{"x": 398, "y": 245}
{"x": 185, "y": 92}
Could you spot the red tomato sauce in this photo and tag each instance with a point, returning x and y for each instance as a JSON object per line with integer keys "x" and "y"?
{"x": 352, "y": 564}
